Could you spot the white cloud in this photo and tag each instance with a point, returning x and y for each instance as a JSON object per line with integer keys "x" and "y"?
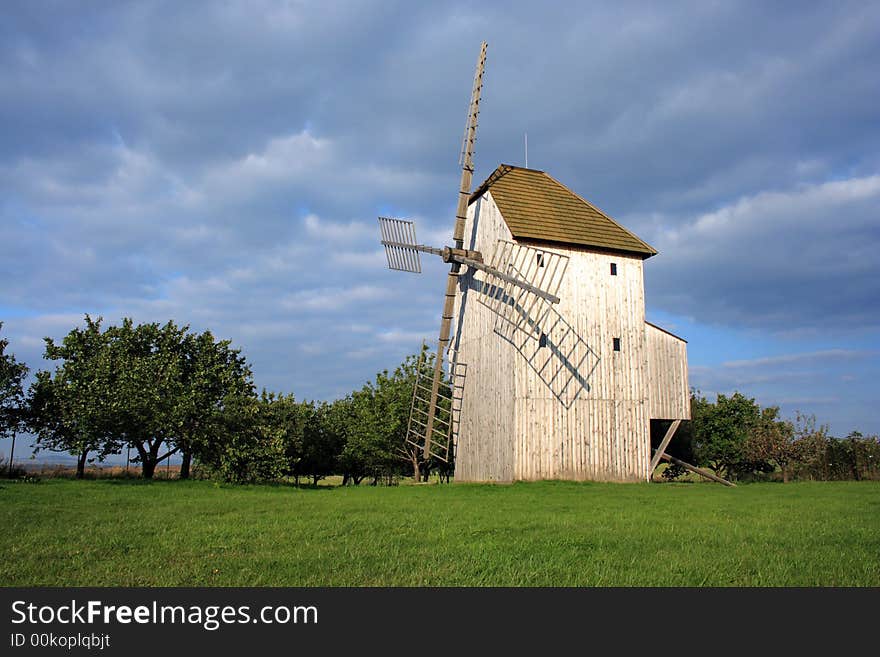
{"x": 808, "y": 357}
{"x": 332, "y": 231}
{"x": 333, "y": 298}
{"x": 784, "y": 260}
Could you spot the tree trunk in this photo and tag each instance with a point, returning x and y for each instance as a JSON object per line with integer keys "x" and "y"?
{"x": 185, "y": 462}
{"x": 148, "y": 467}
{"x": 415, "y": 463}
{"x": 784, "y": 474}
{"x": 81, "y": 464}
{"x": 316, "y": 479}
{"x": 345, "y": 478}
{"x": 12, "y": 454}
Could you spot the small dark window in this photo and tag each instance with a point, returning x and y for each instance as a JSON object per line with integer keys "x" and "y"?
{"x": 616, "y": 343}
{"x": 540, "y": 257}
{"x": 543, "y": 341}
{"x": 614, "y": 269}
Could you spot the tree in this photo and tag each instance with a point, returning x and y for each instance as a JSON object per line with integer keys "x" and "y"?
{"x": 772, "y": 440}
{"x": 379, "y": 416}
{"x": 148, "y": 360}
{"x": 812, "y": 443}
{"x": 72, "y": 409}
{"x": 12, "y": 396}
{"x": 338, "y": 419}
{"x": 157, "y": 388}
{"x": 321, "y": 442}
{"x": 171, "y": 389}
{"x": 720, "y": 430}
{"x": 251, "y": 447}
{"x": 211, "y": 371}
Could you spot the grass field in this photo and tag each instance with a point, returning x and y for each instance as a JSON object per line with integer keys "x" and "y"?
{"x": 134, "y": 533}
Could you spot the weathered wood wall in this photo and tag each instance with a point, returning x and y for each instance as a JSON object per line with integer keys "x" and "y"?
{"x": 485, "y": 444}
{"x": 516, "y": 426}
{"x": 668, "y": 392}
{"x": 599, "y": 430}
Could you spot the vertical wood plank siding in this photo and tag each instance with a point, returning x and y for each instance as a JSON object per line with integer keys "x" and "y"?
{"x": 485, "y": 448}
{"x": 669, "y": 394}
{"x": 513, "y": 425}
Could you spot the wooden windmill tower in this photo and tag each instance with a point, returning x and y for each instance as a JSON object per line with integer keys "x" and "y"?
{"x": 553, "y": 372}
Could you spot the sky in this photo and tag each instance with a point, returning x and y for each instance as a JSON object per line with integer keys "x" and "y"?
{"x": 222, "y": 165}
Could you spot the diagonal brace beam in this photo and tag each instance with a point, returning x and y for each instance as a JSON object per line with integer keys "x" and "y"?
{"x": 664, "y": 444}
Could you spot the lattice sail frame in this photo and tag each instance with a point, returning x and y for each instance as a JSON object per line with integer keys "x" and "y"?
{"x": 559, "y": 356}
{"x": 515, "y": 308}
{"x": 554, "y": 350}
{"x": 401, "y": 252}
{"x": 447, "y": 415}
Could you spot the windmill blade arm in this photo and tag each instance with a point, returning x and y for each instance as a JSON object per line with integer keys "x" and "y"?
{"x": 513, "y": 280}
{"x": 415, "y": 247}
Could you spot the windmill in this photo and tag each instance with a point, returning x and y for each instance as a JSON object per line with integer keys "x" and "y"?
{"x": 519, "y": 287}
{"x": 566, "y": 378}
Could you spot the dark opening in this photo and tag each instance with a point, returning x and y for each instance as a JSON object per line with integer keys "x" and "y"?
{"x": 540, "y": 257}
{"x": 616, "y": 343}
{"x": 614, "y": 269}
{"x": 543, "y": 341}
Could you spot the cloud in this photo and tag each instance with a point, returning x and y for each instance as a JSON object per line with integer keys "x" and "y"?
{"x": 800, "y": 258}
{"x": 809, "y": 357}
{"x": 145, "y": 171}
{"x": 333, "y": 298}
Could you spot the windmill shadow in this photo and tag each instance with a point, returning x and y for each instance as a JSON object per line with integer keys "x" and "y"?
{"x": 557, "y": 354}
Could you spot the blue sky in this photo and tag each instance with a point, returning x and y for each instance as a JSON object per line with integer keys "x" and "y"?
{"x": 222, "y": 165}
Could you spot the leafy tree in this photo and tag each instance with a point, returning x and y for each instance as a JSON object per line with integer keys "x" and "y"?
{"x": 371, "y": 424}
{"x": 403, "y": 381}
{"x": 251, "y": 447}
{"x": 321, "y": 442}
{"x": 338, "y": 419}
{"x": 149, "y": 362}
{"x": 811, "y": 440}
{"x": 157, "y": 388}
{"x": 720, "y": 430}
{"x": 72, "y": 408}
{"x": 772, "y": 440}
{"x": 379, "y": 415}
{"x": 12, "y": 396}
{"x": 211, "y": 371}
{"x": 171, "y": 389}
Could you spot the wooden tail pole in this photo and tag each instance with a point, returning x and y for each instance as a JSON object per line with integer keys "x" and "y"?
{"x": 696, "y": 470}
{"x": 664, "y": 444}
{"x": 464, "y": 192}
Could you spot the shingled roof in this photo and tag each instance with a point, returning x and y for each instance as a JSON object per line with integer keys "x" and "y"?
{"x": 538, "y": 207}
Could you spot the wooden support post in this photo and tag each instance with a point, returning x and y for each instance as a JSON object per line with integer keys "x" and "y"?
{"x": 696, "y": 470}
{"x": 664, "y": 444}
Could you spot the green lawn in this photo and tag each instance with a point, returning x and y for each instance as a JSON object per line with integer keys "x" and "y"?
{"x": 131, "y": 533}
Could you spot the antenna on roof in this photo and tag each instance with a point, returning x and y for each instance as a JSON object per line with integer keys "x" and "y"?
{"x": 527, "y": 149}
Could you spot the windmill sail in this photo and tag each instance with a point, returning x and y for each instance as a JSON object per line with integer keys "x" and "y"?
{"x": 467, "y": 174}
{"x": 513, "y": 299}
{"x": 399, "y": 240}
{"x": 447, "y": 408}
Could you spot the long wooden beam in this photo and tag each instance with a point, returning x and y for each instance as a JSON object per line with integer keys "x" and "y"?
{"x": 552, "y": 298}
{"x": 464, "y": 193}
{"x": 664, "y": 444}
{"x": 696, "y": 470}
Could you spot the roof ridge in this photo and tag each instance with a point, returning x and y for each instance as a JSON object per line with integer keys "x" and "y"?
{"x": 535, "y": 205}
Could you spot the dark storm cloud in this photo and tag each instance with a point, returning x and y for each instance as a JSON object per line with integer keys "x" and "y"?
{"x": 223, "y": 163}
